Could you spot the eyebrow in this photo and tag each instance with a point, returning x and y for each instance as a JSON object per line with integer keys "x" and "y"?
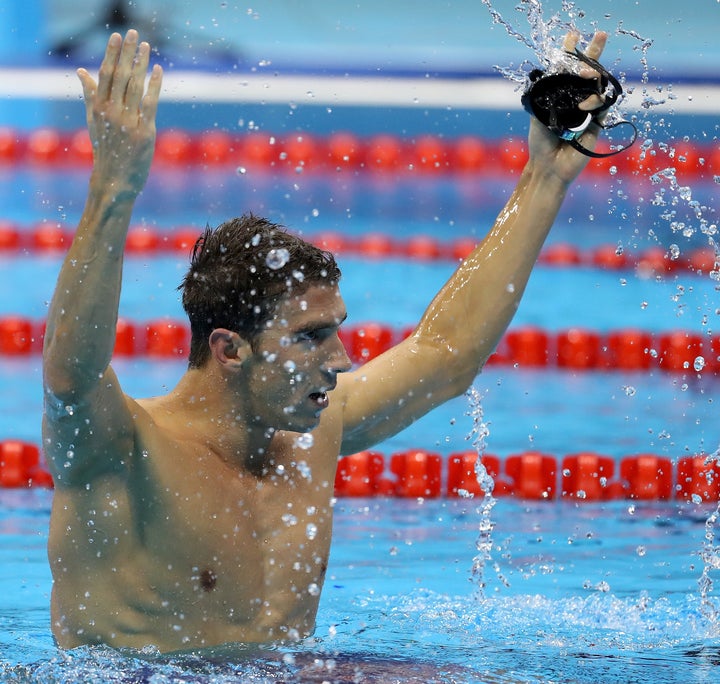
{"x": 319, "y": 325}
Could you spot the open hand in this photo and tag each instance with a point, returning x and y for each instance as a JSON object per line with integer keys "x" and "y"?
{"x": 121, "y": 115}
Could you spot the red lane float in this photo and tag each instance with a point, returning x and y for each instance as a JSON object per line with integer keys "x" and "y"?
{"x": 361, "y": 475}
{"x": 533, "y": 475}
{"x": 681, "y": 351}
{"x": 17, "y": 336}
{"x": 653, "y": 262}
{"x": 10, "y": 145}
{"x": 462, "y": 478}
{"x": 9, "y": 236}
{"x": 629, "y": 349}
{"x": 649, "y": 477}
{"x": 418, "y": 474}
{"x": 587, "y": 476}
{"x": 20, "y": 465}
{"x": 525, "y": 347}
{"x": 167, "y": 338}
{"x": 344, "y": 150}
{"x": 50, "y": 237}
{"x": 364, "y": 342}
{"x": 428, "y": 153}
{"x": 561, "y": 254}
{"x": 697, "y": 480}
{"x": 578, "y": 348}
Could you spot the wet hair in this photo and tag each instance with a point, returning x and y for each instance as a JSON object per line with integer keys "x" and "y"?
{"x": 240, "y": 271}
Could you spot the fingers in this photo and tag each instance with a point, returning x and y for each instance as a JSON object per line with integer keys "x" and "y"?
{"x": 89, "y": 88}
{"x": 150, "y": 101}
{"x": 107, "y": 68}
{"x": 124, "y": 66}
{"x": 597, "y": 45}
{"x": 121, "y": 79}
{"x": 594, "y": 49}
{"x": 136, "y": 82}
{"x": 570, "y": 41}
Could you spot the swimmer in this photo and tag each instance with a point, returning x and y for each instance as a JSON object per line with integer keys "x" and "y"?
{"x": 203, "y": 516}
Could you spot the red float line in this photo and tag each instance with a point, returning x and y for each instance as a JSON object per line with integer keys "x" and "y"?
{"x": 416, "y": 473}
{"x": 44, "y": 238}
{"x": 577, "y": 349}
{"x": 584, "y": 476}
{"x": 300, "y": 152}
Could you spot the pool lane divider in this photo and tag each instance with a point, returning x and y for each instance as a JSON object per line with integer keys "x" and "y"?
{"x": 47, "y": 238}
{"x": 576, "y": 349}
{"x": 299, "y": 152}
{"x": 420, "y": 474}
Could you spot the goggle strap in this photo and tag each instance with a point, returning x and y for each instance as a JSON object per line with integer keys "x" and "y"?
{"x": 599, "y": 155}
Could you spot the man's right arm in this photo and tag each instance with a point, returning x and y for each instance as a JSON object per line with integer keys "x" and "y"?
{"x": 85, "y": 409}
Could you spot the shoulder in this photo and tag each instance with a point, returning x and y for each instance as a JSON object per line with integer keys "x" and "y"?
{"x": 92, "y": 437}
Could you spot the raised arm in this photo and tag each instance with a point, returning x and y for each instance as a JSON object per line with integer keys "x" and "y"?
{"x": 466, "y": 319}
{"x": 80, "y": 389}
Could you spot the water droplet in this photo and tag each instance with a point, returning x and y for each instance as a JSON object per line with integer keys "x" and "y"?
{"x": 289, "y": 519}
{"x": 699, "y": 363}
{"x": 313, "y": 589}
{"x": 304, "y": 441}
{"x": 277, "y": 258}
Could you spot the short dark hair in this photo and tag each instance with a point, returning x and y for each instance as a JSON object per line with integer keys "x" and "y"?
{"x": 238, "y": 273}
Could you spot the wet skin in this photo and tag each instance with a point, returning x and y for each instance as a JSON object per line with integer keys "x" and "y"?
{"x": 195, "y": 541}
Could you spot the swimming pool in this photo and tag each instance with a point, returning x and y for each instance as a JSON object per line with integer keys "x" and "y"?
{"x": 582, "y": 582}
{"x": 574, "y": 590}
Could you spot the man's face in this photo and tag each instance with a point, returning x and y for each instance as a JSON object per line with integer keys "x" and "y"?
{"x": 297, "y": 359}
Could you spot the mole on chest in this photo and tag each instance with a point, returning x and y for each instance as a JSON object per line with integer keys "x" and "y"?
{"x": 208, "y": 579}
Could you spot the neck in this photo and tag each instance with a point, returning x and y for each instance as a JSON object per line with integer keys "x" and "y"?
{"x": 217, "y": 413}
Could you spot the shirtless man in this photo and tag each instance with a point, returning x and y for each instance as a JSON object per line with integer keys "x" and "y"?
{"x": 204, "y": 516}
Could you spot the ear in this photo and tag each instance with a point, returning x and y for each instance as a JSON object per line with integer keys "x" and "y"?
{"x": 228, "y": 348}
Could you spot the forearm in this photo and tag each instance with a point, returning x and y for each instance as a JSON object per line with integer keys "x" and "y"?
{"x": 81, "y": 323}
{"x": 473, "y": 309}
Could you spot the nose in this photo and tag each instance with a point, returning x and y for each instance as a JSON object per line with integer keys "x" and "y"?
{"x": 338, "y": 359}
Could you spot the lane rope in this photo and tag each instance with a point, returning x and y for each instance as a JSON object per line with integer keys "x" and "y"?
{"x": 577, "y": 349}
{"x": 346, "y": 151}
{"x": 46, "y": 238}
{"x": 419, "y": 474}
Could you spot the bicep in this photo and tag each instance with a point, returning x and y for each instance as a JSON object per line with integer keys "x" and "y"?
{"x": 392, "y": 391}
{"x": 90, "y": 435}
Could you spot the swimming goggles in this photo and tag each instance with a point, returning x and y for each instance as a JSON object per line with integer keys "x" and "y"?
{"x": 554, "y": 100}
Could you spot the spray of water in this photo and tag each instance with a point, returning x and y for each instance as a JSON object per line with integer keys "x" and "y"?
{"x": 484, "y": 543}
{"x": 683, "y": 214}
{"x": 710, "y": 554}
{"x": 543, "y": 38}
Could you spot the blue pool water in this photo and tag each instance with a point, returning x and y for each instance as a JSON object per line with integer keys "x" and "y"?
{"x": 588, "y": 593}
{"x": 574, "y": 591}
{"x": 577, "y": 592}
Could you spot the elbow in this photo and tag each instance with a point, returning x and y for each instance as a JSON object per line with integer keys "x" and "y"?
{"x": 454, "y": 371}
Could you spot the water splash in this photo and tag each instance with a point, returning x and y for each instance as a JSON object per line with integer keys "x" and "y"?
{"x": 484, "y": 543}
{"x": 682, "y": 212}
{"x": 667, "y": 194}
{"x": 710, "y": 555}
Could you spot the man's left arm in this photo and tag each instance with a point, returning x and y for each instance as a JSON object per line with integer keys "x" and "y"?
{"x": 466, "y": 319}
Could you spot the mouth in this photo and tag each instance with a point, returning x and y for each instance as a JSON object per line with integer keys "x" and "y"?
{"x": 320, "y": 399}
